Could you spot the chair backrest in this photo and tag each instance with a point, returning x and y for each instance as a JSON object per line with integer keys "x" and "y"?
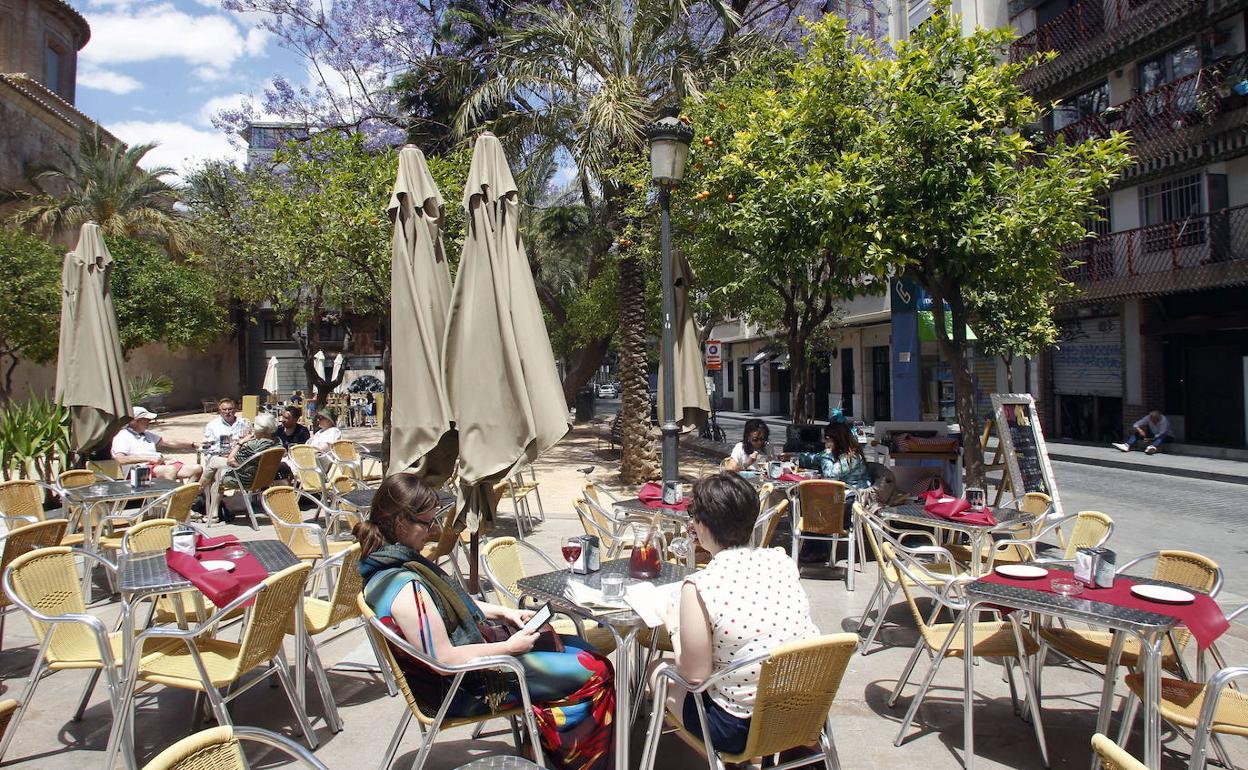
{"x": 110, "y": 468}
{"x": 76, "y": 478}
{"x": 882, "y": 551}
{"x": 266, "y": 468}
{"x": 47, "y": 580}
{"x": 150, "y": 535}
{"x": 1191, "y": 570}
{"x": 822, "y": 506}
{"x": 272, "y": 611}
{"x": 727, "y": 464}
{"x": 1039, "y": 505}
{"x": 764, "y": 496}
{"x": 796, "y": 687}
{"x": 765, "y": 527}
{"x": 307, "y": 467}
{"x": 595, "y": 523}
{"x": 218, "y": 748}
{"x": 249, "y": 407}
{"x": 348, "y": 585}
{"x": 178, "y": 507}
{"x": 387, "y": 653}
{"x": 21, "y": 540}
{"x": 282, "y": 506}
{"x": 1113, "y": 757}
{"x": 501, "y": 558}
{"x": 1091, "y": 530}
{"x": 346, "y": 451}
{"x": 21, "y": 497}
{"x": 379, "y": 407}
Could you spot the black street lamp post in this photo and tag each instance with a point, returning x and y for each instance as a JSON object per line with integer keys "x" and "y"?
{"x": 669, "y": 138}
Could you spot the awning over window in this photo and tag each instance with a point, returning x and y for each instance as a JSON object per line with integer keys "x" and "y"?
{"x": 763, "y": 356}
{"x": 927, "y": 327}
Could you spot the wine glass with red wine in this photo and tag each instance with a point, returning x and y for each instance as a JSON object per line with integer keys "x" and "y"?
{"x": 571, "y": 551}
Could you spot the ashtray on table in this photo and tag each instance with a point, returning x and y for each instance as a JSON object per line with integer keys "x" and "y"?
{"x": 1066, "y": 586}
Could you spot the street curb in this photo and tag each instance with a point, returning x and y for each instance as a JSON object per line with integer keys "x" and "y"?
{"x": 1162, "y": 470}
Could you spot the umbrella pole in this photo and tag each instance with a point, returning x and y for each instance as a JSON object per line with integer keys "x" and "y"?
{"x": 474, "y": 577}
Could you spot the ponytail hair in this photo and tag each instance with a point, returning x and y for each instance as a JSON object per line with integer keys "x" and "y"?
{"x": 399, "y": 502}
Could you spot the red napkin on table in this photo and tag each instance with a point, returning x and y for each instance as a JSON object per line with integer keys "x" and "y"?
{"x": 958, "y": 509}
{"x": 651, "y": 495}
{"x": 212, "y": 542}
{"x": 219, "y": 586}
{"x": 791, "y": 476}
{"x": 1203, "y": 617}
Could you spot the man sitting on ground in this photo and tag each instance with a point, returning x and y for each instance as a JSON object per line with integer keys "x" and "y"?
{"x": 226, "y": 424}
{"x": 1153, "y": 427}
{"x": 136, "y": 444}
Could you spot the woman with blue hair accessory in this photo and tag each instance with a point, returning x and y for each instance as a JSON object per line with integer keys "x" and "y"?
{"x": 841, "y": 460}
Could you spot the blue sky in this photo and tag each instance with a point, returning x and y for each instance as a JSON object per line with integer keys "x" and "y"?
{"x": 157, "y": 70}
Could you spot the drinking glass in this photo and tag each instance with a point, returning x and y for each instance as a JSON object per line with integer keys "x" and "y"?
{"x": 571, "y": 551}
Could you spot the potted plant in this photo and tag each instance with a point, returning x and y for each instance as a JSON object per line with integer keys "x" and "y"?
{"x": 1111, "y": 115}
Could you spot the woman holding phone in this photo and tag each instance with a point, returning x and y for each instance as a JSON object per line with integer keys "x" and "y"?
{"x": 572, "y": 689}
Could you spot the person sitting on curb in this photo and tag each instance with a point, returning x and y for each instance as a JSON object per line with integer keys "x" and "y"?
{"x": 1153, "y": 427}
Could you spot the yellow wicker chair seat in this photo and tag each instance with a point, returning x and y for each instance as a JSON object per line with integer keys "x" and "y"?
{"x": 310, "y": 551}
{"x": 174, "y": 666}
{"x": 1181, "y": 703}
{"x": 75, "y": 651}
{"x": 993, "y": 639}
{"x": 1113, "y": 757}
{"x": 1093, "y": 646}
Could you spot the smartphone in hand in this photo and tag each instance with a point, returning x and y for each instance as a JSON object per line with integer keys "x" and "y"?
{"x": 539, "y": 619}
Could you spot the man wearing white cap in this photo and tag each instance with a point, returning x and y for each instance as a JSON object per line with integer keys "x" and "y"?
{"x": 136, "y": 444}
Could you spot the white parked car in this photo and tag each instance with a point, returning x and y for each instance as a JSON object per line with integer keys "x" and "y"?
{"x": 606, "y": 391}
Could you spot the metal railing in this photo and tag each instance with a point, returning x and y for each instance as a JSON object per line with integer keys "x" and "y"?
{"x": 1076, "y": 26}
{"x": 1200, "y": 251}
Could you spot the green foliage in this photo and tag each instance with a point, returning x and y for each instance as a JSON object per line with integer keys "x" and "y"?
{"x": 148, "y": 386}
{"x": 158, "y": 299}
{"x": 30, "y": 272}
{"x": 34, "y": 439}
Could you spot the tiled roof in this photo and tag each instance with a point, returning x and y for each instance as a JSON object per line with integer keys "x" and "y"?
{"x": 37, "y": 92}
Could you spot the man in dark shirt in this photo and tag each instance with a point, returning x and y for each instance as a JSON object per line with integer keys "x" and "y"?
{"x": 290, "y": 431}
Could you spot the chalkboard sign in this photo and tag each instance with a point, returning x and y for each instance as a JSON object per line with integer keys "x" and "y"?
{"x": 1022, "y": 444}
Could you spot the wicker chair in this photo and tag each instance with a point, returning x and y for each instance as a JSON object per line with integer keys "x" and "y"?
{"x": 1004, "y": 639}
{"x": 178, "y": 505}
{"x": 309, "y": 473}
{"x": 820, "y": 515}
{"x": 44, "y": 584}
{"x": 307, "y": 540}
{"x": 193, "y": 659}
{"x": 347, "y": 460}
{"x": 796, "y": 686}
{"x": 218, "y": 749}
{"x": 765, "y": 526}
{"x": 1091, "y": 529}
{"x": 1113, "y": 756}
{"x": 266, "y": 465}
{"x": 43, "y": 534}
{"x": 521, "y": 489}
{"x": 1190, "y": 706}
{"x": 1036, "y": 504}
{"x": 433, "y": 716}
{"x": 108, "y": 468}
{"x": 21, "y": 501}
{"x": 1093, "y": 645}
{"x": 502, "y": 566}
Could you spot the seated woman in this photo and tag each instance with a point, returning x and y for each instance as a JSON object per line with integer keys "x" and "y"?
{"x": 327, "y": 431}
{"x": 753, "y": 451}
{"x": 744, "y": 603}
{"x": 841, "y": 458}
{"x": 572, "y": 691}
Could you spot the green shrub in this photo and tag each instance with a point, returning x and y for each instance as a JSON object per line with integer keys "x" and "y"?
{"x": 34, "y": 439}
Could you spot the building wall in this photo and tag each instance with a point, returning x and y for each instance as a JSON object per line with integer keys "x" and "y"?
{"x": 28, "y": 28}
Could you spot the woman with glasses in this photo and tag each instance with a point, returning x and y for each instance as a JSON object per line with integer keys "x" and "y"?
{"x": 754, "y": 450}
{"x": 572, "y": 688}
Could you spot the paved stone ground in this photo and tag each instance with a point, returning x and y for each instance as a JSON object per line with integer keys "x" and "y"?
{"x": 865, "y": 725}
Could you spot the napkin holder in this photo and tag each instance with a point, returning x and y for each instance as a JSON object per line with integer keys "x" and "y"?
{"x": 184, "y": 541}
{"x": 1106, "y": 562}
{"x": 673, "y": 493}
{"x": 590, "y": 559}
{"x": 1087, "y": 566}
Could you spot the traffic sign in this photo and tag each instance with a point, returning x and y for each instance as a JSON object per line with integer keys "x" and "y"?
{"x": 712, "y": 357}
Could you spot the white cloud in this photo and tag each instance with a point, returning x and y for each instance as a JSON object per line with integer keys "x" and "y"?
{"x": 257, "y": 39}
{"x": 180, "y": 145}
{"x": 103, "y": 79}
{"x": 161, "y": 31}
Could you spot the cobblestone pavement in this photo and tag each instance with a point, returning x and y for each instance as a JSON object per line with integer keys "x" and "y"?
{"x": 865, "y": 725}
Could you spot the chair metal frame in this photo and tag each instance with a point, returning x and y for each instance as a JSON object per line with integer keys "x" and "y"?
{"x": 233, "y": 734}
{"x": 123, "y": 723}
{"x": 486, "y": 663}
{"x": 765, "y": 525}
{"x": 846, "y": 536}
{"x": 330, "y": 514}
{"x": 1218, "y": 683}
{"x": 254, "y": 487}
{"x": 1030, "y": 543}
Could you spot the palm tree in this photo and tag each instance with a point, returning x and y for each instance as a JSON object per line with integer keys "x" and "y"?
{"x": 584, "y": 79}
{"x": 102, "y": 183}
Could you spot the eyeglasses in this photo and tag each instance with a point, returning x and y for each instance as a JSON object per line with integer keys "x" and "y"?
{"x": 758, "y": 440}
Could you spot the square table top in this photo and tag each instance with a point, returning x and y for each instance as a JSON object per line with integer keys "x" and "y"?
{"x": 105, "y": 491}
{"x": 148, "y": 573}
{"x": 1076, "y": 608}
{"x": 363, "y": 498}
{"x": 913, "y": 513}
{"x": 635, "y": 505}
{"x": 550, "y": 587}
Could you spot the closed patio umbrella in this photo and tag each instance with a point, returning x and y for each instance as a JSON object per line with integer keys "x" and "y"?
{"x": 501, "y": 380}
{"x": 90, "y": 372}
{"x": 421, "y": 437}
{"x": 340, "y": 387}
{"x": 270, "y": 376}
{"x": 692, "y": 402}
{"x": 318, "y": 363}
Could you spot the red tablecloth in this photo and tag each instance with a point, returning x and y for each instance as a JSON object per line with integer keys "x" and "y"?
{"x": 956, "y": 509}
{"x": 219, "y": 586}
{"x": 1202, "y": 617}
{"x": 791, "y": 476}
{"x": 651, "y": 495}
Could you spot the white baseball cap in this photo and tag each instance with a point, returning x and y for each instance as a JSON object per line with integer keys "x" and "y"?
{"x": 139, "y": 413}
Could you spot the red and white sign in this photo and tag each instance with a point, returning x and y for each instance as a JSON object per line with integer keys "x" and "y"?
{"x": 712, "y": 356}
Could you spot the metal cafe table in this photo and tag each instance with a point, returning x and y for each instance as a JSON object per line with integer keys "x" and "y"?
{"x": 1007, "y": 519}
{"x": 623, "y": 623}
{"x": 110, "y": 495}
{"x": 1150, "y": 628}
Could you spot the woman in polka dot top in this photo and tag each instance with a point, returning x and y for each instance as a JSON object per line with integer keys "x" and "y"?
{"x": 746, "y": 602}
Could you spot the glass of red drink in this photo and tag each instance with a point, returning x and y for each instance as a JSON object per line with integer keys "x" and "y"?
{"x": 571, "y": 550}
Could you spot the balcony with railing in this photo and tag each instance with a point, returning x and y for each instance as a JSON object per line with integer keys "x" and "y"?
{"x": 1199, "y": 252}
{"x": 1094, "y": 33}
{"x": 1162, "y": 118}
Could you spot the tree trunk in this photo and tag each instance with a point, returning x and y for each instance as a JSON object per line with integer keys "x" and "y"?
{"x": 639, "y": 461}
{"x": 1009, "y": 373}
{"x": 954, "y": 352}
{"x": 798, "y": 387}
{"x": 582, "y": 368}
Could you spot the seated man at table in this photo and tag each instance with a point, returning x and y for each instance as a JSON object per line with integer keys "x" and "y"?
{"x": 251, "y": 445}
{"x": 291, "y": 431}
{"x": 136, "y": 444}
{"x": 226, "y": 424}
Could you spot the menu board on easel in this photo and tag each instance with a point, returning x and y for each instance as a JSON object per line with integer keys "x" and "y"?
{"x": 1022, "y": 444}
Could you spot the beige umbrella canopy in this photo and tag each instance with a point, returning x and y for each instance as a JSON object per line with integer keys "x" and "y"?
{"x": 90, "y": 374}
{"x": 420, "y": 292}
{"x": 692, "y": 402}
{"x": 501, "y": 380}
